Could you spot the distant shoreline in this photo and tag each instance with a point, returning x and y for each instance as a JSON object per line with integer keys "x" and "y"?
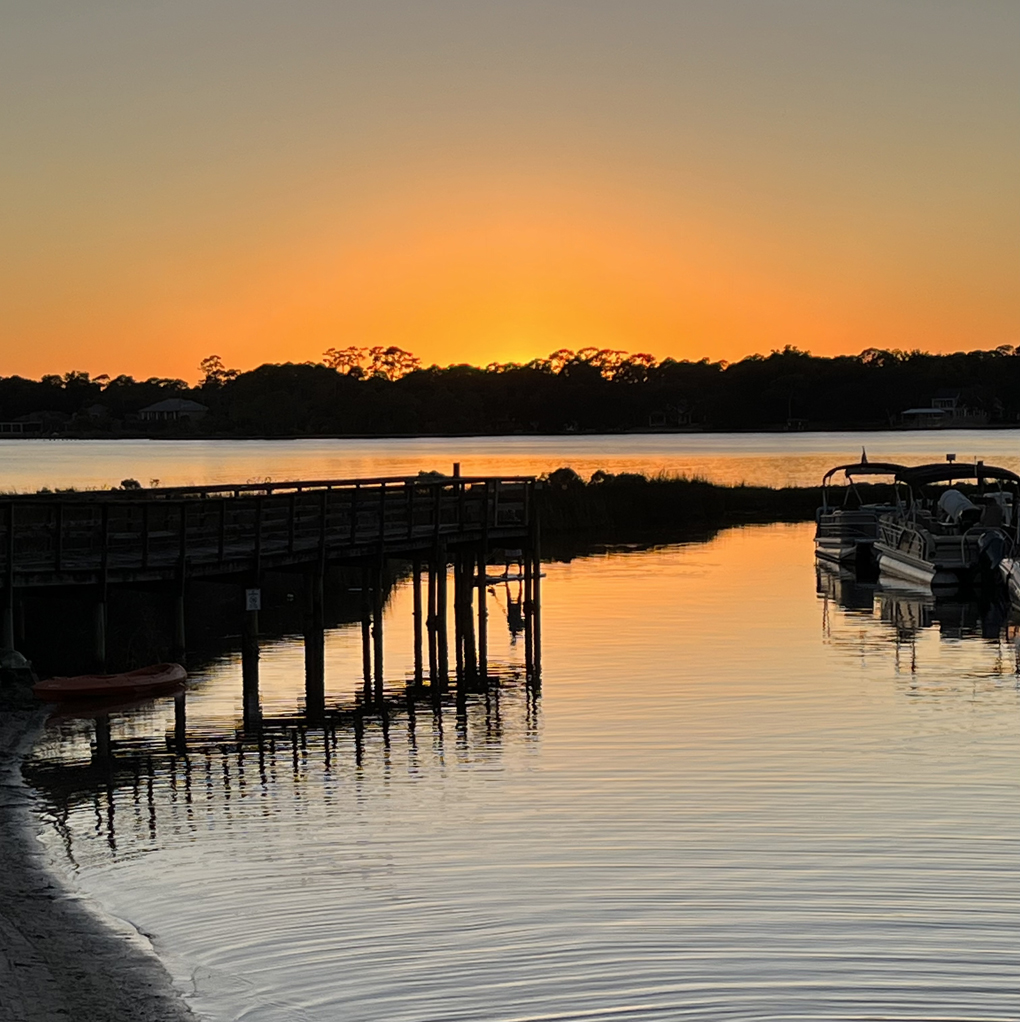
{"x": 777, "y": 431}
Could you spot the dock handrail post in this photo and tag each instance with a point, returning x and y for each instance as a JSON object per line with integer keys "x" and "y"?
{"x": 354, "y": 514}
{"x": 182, "y": 551}
{"x": 222, "y": 537}
{"x": 258, "y": 537}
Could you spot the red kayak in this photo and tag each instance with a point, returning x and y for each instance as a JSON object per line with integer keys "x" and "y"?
{"x": 146, "y": 681}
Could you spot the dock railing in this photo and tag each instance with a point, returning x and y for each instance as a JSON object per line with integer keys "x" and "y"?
{"x": 64, "y": 538}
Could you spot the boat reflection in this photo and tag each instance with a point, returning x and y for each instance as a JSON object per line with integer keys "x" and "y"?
{"x": 867, "y": 616}
{"x": 908, "y": 609}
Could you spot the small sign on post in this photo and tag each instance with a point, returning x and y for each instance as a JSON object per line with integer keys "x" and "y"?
{"x": 253, "y": 599}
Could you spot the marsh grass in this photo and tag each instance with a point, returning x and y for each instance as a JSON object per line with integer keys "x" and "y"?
{"x": 631, "y": 507}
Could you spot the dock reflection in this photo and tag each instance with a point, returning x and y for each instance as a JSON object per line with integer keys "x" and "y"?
{"x": 145, "y": 768}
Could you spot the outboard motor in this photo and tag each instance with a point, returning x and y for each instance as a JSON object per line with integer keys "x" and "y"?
{"x": 956, "y": 508}
{"x": 991, "y": 550}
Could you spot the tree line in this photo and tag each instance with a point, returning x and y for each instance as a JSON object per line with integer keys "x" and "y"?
{"x": 386, "y": 390}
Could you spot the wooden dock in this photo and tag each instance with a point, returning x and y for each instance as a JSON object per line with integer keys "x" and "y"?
{"x": 90, "y": 541}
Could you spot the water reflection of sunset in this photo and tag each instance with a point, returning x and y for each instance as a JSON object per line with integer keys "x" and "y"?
{"x": 725, "y": 776}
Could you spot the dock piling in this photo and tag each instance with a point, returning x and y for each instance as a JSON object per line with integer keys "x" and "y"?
{"x": 98, "y": 630}
{"x": 430, "y": 623}
{"x": 442, "y": 643}
{"x": 315, "y": 649}
{"x": 416, "y": 612}
{"x": 468, "y": 625}
{"x": 250, "y": 656}
{"x": 377, "y": 631}
{"x": 366, "y": 636}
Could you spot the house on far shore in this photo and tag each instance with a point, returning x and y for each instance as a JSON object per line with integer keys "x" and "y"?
{"x": 20, "y": 427}
{"x": 945, "y": 411}
{"x": 173, "y": 409}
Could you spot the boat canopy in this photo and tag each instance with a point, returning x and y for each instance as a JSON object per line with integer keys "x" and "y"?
{"x": 864, "y": 468}
{"x": 947, "y": 472}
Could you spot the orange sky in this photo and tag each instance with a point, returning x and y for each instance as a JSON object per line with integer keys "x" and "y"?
{"x": 479, "y": 182}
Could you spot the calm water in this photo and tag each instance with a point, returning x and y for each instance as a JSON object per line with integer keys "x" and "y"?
{"x": 771, "y": 459}
{"x": 735, "y": 798}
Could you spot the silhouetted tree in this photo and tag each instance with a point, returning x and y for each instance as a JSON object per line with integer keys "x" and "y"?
{"x": 214, "y": 373}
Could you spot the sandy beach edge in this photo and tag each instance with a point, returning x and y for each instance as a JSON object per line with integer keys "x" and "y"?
{"x": 58, "y": 959}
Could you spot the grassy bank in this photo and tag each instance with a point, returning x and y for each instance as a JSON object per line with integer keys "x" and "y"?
{"x": 629, "y": 508}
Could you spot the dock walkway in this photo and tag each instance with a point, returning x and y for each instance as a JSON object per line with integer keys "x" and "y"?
{"x": 236, "y": 533}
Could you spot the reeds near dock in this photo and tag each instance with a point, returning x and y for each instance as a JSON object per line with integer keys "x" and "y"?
{"x": 629, "y": 507}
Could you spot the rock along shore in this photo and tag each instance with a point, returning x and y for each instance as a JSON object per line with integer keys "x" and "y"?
{"x": 58, "y": 960}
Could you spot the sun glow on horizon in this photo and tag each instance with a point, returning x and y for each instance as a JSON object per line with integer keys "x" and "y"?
{"x": 690, "y": 180}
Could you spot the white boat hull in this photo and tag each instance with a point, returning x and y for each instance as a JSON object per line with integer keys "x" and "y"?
{"x": 898, "y": 565}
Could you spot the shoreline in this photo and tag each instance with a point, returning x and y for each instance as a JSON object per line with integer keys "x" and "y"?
{"x": 58, "y": 959}
{"x": 681, "y": 431}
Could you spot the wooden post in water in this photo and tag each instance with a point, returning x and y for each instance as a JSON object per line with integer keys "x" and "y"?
{"x": 250, "y": 654}
{"x": 468, "y": 626}
{"x": 418, "y": 668}
{"x": 536, "y": 599}
{"x": 99, "y": 629}
{"x": 180, "y": 724}
{"x": 482, "y": 574}
{"x": 458, "y": 614}
{"x": 483, "y": 614}
{"x": 529, "y": 649}
{"x": 102, "y": 750}
{"x": 180, "y": 636}
{"x": 377, "y": 629}
{"x": 366, "y": 636}
{"x": 442, "y": 645}
{"x": 430, "y": 623}
{"x": 315, "y": 649}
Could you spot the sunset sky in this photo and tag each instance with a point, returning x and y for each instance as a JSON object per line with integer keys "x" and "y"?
{"x": 479, "y": 181}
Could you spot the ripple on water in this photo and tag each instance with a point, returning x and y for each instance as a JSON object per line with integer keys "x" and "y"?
{"x": 733, "y": 800}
